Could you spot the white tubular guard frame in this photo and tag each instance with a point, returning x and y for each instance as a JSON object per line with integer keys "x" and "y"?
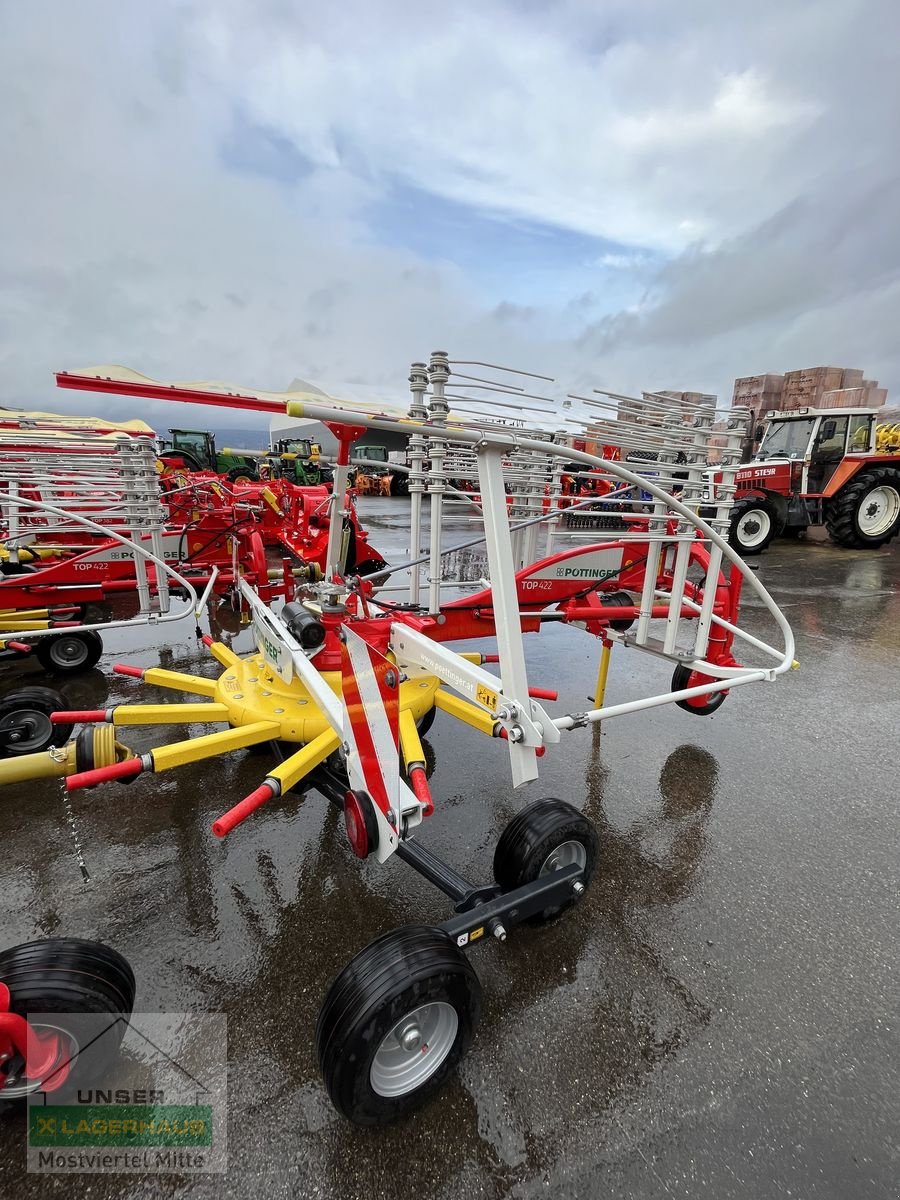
{"x": 63, "y": 481}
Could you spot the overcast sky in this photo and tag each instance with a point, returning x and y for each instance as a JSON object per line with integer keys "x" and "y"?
{"x": 625, "y": 193}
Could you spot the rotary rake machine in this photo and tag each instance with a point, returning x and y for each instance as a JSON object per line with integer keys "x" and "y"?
{"x": 84, "y": 518}
{"x": 347, "y": 677}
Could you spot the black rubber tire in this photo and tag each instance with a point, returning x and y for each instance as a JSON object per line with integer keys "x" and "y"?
{"x": 529, "y": 840}
{"x": 425, "y": 723}
{"x": 69, "y": 977}
{"x": 243, "y": 475}
{"x": 57, "y": 654}
{"x": 703, "y": 706}
{"x": 842, "y": 511}
{"x": 29, "y": 704}
{"x": 392, "y": 976}
{"x": 741, "y": 509}
{"x": 617, "y": 599}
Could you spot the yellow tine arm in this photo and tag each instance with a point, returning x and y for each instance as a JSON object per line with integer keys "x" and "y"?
{"x": 176, "y": 681}
{"x": 168, "y": 714}
{"x": 224, "y": 654}
{"x": 179, "y": 754}
{"x": 464, "y": 711}
{"x": 302, "y": 761}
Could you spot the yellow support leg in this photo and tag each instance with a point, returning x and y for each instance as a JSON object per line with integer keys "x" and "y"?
{"x": 602, "y": 673}
{"x": 410, "y": 742}
{"x": 292, "y": 770}
{"x": 168, "y": 714}
{"x": 179, "y": 754}
{"x": 471, "y": 714}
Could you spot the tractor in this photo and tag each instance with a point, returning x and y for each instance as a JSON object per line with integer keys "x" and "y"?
{"x": 380, "y": 477}
{"x": 299, "y": 461}
{"x": 832, "y": 467}
{"x": 195, "y": 450}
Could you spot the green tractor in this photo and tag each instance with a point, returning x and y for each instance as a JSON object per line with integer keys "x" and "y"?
{"x": 299, "y": 461}
{"x": 195, "y": 450}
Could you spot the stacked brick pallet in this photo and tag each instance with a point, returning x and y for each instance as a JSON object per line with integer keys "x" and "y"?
{"x": 816, "y": 387}
{"x": 647, "y": 411}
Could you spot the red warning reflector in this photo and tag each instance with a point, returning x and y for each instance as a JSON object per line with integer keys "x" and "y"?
{"x": 360, "y": 823}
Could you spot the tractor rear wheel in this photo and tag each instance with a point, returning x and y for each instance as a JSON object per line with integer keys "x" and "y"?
{"x": 866, "y": 513}
{"x": 753, "y": 525}
{"x": 242, "y": 475}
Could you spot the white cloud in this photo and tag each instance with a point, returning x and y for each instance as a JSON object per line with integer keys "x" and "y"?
{"x": 755, "y": 149}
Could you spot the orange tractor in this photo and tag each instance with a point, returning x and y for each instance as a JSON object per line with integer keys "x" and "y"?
{"x": 832, "y": 467}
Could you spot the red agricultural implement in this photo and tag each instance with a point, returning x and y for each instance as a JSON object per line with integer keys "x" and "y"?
{"x": 345, "y": 680}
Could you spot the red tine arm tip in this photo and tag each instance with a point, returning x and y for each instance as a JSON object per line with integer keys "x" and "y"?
{"x": 242, "y": 810}
{"x": 542, "y": 694}
{"x": 124, "y": 669}
{"x": 421, "y": 790}
{"x": 79, "y": 716}
{"x": 22, "y": 647}
{"x": 206, "y": 640}
{"x": 121, "y": 770}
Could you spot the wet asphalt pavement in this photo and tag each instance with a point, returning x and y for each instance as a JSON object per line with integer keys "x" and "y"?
{"x": 717, "y": 1018}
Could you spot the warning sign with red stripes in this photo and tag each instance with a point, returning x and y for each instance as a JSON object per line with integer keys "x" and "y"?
{"x": 371, "y": 688}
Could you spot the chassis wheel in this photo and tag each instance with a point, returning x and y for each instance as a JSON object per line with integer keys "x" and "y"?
{"x": 700, "y": 706}
{"x": 242, "y": 475}
{"x": 78, "y": 650}
{"x": 65, "y": 978}
{"x": 395, "y": 1023}
{"x": 25, "y": 725}
{"x": 543, "y": 837}
{"x": 753, "y": 525}
{"x": 866, "y": 513}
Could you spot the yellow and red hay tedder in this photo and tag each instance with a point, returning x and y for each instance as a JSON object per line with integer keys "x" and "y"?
{"x": 346, "y": 678}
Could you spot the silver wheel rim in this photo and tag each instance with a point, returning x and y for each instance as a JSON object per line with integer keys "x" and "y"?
{"x": 26, "y": 1086}
{"x": 753, "y": 527}
{"x": 414, "y": 1049}
{"x": 879, "y": 510}
{"x": 68, "y": 652}
{"x": 566, "y": 854}
{"x": 36, "y": 728}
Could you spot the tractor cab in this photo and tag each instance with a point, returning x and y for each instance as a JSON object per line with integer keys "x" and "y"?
{"x": 195, "y": 450}
{"x": 815, "y": 443}
{"x": 196, "y": 446}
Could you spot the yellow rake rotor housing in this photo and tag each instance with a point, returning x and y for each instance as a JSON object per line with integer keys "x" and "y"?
{"x": 252, "y": 692}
